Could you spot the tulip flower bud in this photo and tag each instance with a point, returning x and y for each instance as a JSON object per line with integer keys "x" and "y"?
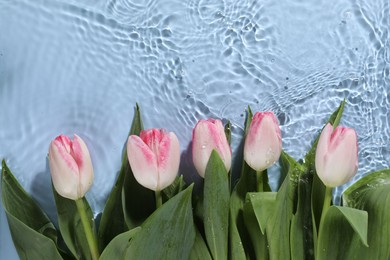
{"x": 209, "y": 135}
{"x": 336, "y": 155}
{"x": 263, "y": 142}
{"x": 154, "y": 157}
{"x": 70, "y": 167}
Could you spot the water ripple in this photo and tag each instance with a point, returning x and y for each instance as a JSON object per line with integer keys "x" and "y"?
{"x": 79, "y": 67}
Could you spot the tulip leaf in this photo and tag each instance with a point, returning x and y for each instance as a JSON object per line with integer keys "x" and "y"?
{"x": 116, "y": 249}
{"x": 263, "y": 205}
{"x": 278, "y": 226}
{"x": 138, "y": 202}
{"x": 34, "y": 235}
{"x": 216, "y": 206}
{"x": 176, "y": 187}
{"x": 169, "y": 233}
{"x": 71, "y": 226}
{"x": 301, "y": 240}
{"x": 258, "y": 208}
{"x": 199, "y": 250}
{"x": 30, "y": 244}
{"x": 112, "y": 221}
{"x": 372, "y": 194}
{"x": 343, "y": 224}
{"x": 239, "y": 243}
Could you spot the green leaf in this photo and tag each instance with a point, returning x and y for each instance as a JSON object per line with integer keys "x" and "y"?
{"x": 302, "y": 245}
{"x": 278, "y": 226}
{"x": 200, "y": 250}
{"x": 116, "y": 249}
{"x": 343, "y": 224}
{"x": 19, "y": 204}
{"x": 113, "y": 222}
{"x": 31, "y": 244}
{"x": 239, "y": 243}
{"x": 34, "y": 236}
{"x": 175, "y": 188}
{"x": 258, "y": 208}
{"x": 138, "y": 202}
{"x": 71, "y": 226}
{"x": 216, "y": 206}
{"x": 372, "y": 194}
{"x": 169, "y": 233}
{"x": 263, "y": 204}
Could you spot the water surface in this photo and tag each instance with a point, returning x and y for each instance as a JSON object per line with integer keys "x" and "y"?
{"x": 80, "y": 67}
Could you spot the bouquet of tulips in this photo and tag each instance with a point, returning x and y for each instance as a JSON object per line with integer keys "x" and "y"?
{"x": 151, "y": 213}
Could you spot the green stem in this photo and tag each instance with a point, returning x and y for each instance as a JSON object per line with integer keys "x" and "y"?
{"x": 325, "y": 207}
{"x": 327, "y": 202}
{"x": 259, "y": 178}
{"x": 87, "y": 229}
{"x": 158, "y": 197}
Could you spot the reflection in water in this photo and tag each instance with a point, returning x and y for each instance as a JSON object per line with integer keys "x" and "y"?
{"x": 80, "y": 67}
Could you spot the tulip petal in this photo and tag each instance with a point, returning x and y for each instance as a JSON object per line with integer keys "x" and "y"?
{"x": 168, "y": 160}
{"x": 322, "y": 150}
{"x": 336, "y": 155}
{"x": 207, "y": 136}
{"x": 80, "y": 153}
{"x": 64, "y": 170}
{"x": 263, "y": 144}
{"x": 152, "y": 138}
{"x": 143, "y": 162}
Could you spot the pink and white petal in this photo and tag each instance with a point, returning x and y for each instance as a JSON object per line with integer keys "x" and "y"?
{"x": 202, "y": 146}
{"x": 143, "y": 162}
{"x": 322, "y": 150}
{"x": 82, "y": 157}
{"x": 64, "y": 177}
{"x": 65, "y": 141}
{"x": 343, "y": 158}
{"x": 169, "y": 160}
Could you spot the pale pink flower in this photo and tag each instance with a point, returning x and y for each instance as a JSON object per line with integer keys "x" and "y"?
{"x": 70, "y": 166}
{"x": 154, "y": 157}
{"x": 336, "y": 158}
{"x": 263, "y": 143}
{"x": 209, "y": 135}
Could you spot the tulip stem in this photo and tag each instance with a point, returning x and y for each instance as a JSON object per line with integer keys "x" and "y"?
{"x": 87, "y": 229}
{"x": 327, "y": 202}
{"x": 259, "y": 179}
{"x": 158, "y": 196}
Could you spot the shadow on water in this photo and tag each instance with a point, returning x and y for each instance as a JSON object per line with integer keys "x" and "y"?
{"x": 41, "y": 191}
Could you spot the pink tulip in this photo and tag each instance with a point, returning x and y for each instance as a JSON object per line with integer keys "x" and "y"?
{"x": 154, "y": 157}
{"x": 263, "y": 143}
{"x": 209, "y": 135}
{"x": 337, "y": 155}
{"x": 70, "y": 166}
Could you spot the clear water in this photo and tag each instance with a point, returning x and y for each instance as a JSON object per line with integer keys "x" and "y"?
{"x": 80, "y": 66}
